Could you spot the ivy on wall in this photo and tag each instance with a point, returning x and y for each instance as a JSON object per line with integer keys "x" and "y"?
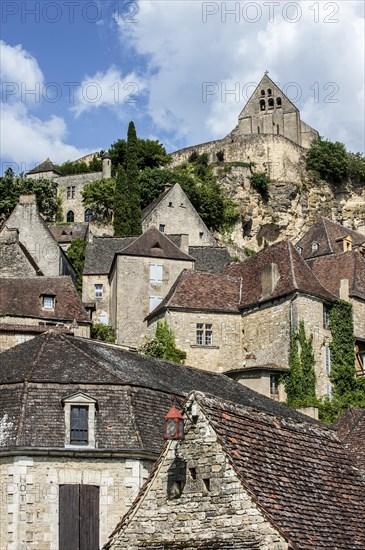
{"x": 300, "y": 382}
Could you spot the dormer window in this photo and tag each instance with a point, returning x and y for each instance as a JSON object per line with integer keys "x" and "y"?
{"x": 315, "y": 246}
{"x": 48, "y": 302}
{"x": 299, "y": 249}
{"x": 162, "y": 228}
{"x": 79, "y": 420}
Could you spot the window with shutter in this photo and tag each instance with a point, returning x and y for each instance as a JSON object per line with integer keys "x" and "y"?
{"x": 156, "y": 273}
{"x": 154, "y": 302}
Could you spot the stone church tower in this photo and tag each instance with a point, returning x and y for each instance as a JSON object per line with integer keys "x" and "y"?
{"x": 269, "y": 111}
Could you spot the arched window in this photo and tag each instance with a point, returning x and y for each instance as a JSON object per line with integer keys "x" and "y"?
{"x": 262, "y": 92}
{"x": 88, "y": 215}
{"x": 278, "y": 101}
{"x": 277, "y": 129}
{"x": 262, "y": 105}
{"x": 70, "y": 216}
{"x": 258, "y": 129}
{"x": 271, "y": 103}
{"x": 269, "y": 91}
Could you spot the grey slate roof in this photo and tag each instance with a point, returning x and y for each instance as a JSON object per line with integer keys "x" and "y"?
{"x": 210, "y": 258}
{"x": 100, "y": 253}
{"x": 153, "y": 243}
{"x": 46, "y": 166}
{"x": 133, "y": 392}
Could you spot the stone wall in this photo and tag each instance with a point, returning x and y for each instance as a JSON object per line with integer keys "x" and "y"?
{"x": 102, "y": 305}
{"x": 29, "y": 495}
{"x": 358, "y": 310}
{"x": 178, "y": 216}
{"x": 267, "y": 333}
{"x": 226, "y": 351}
{"x": 78, "y": 181}
{"x": 38, "y": 239}
{"x": 196, "y": 497}
{"x": 131, "y": 290}
{"x": 13, "y": 260}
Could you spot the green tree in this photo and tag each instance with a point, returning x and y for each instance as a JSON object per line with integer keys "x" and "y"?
{"x": 330, "y": 161}
{"x": 260, "y": 181}
{"x": 99, "y": 196}
{"x": 300, "y": 382}
{"x": 121, "y": 221}
{"x": 150, "y": 154}
{"x": 11, "y": 187}
{"x": 76, "y": 254}
{"x": 69, "y": 168}
{"x": 132, "y": 173}
{"x": 104, "y": 333}
{"x": 163, "y": 345}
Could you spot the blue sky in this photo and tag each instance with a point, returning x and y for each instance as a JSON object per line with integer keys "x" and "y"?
{"x": 74, "y": 73}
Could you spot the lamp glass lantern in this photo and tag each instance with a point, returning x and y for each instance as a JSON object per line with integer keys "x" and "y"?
{"x": 174, "y": 425}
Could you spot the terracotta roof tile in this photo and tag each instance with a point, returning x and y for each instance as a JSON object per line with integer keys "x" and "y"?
{"x": 294, "y": 275}
{"x": 297, "y": 472}
{"x": 326, "y": 234}
{"x": 22, "y": 298}
{"x": 350, "y": 427}
{"x": 329, "y": 270}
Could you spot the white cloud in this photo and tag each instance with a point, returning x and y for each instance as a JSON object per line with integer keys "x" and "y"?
{"x": 110, "y": 90}
{"x": 325, "y": 45}
{"x": 26, "y": 139}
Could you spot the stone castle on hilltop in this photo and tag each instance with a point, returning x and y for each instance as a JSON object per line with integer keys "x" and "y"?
{"x": 269, "y": 132}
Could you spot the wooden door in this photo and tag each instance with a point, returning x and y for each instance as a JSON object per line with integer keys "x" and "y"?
{"x": 78, "y": 517}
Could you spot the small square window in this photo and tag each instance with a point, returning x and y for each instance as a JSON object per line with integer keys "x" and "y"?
{"x": 201, "y": 235}
{"x": 98, "y": 290}
{"x": 48, "y": 302}
{"x": 162, "y": 228}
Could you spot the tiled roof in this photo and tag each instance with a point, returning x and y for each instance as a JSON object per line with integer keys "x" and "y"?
{"x": 299, "y": 474}
{"x": 100, "y": 253}
{"x": 329, "y": 270}
{"x": 46, "y": 166}
{"x": 350, "y": 427}
{"x": 326, "y": 234}
{"x": 197, "y": 290}
{"x": 67, "y": 233}
{"x": 133, "y": 391}
{"x": 153, "y": 243}
{"x": 22, "y": 298}
{"x": 210, "y": 258}
{"x": 294, "y": 275}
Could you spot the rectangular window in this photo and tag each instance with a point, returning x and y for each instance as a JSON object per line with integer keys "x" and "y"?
{"x": 274, "y": 387}
{"x": 154, "y": 302}
{"x": 48, "y": 302}
{"x": 98, "y": 290}
{"x": 204, "y": 334}
{"x": 326, "y": 316}
{"x": 103, "y": 318}
{"x": 162, "y": 228}
{"x": 156, "y": 273}
{"x": 73, "y": 192}
{"x": 79, "y": 425}
{"x": 328, "y": 359}
{"x": 68, "y": 192}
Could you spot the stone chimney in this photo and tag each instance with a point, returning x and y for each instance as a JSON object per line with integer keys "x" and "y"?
{"x": 269, "y": 279}
{"x": 184, "y": 243}
{"x": 344, "y": 289}
{"x": 309, "y": 411}
{"x": 27, "y": 199}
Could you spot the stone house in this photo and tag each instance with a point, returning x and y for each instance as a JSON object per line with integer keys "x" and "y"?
{"x": 71, "y": 187}
{"x": 140, "y": 277}
{"x": 173, "y": 213}
{"x": 247, "y": 479}
{"x": 326, "y": 237}
{"x": 35, "y": 236}
{"x": 15, "y": 260}
{"x": 81, "y": 425}
{"x": 30, "y": 306}
{"x": 244, "y": 318}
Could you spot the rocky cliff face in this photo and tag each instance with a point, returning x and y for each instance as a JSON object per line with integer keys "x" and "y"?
{"x": 295, "y": 202}
{"x": 294, "y": 205}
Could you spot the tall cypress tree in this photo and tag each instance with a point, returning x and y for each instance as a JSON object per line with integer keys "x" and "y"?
{"x": 121, "y": 222}
{"x": 134, "y": 201}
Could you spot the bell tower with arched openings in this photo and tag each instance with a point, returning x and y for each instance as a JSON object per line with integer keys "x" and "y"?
{"x": 270, "y": 111}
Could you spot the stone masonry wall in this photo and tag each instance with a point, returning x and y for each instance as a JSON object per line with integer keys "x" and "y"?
{"x": 178, "y": 215}
{"x": 29, "y": 495}
{"x": 196, "y": 497}
{"x": 102, "y": 305}
{"x": 75, "y": 204}
{"x": 226, "y": 351}
{"x": 131, "y": 290}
